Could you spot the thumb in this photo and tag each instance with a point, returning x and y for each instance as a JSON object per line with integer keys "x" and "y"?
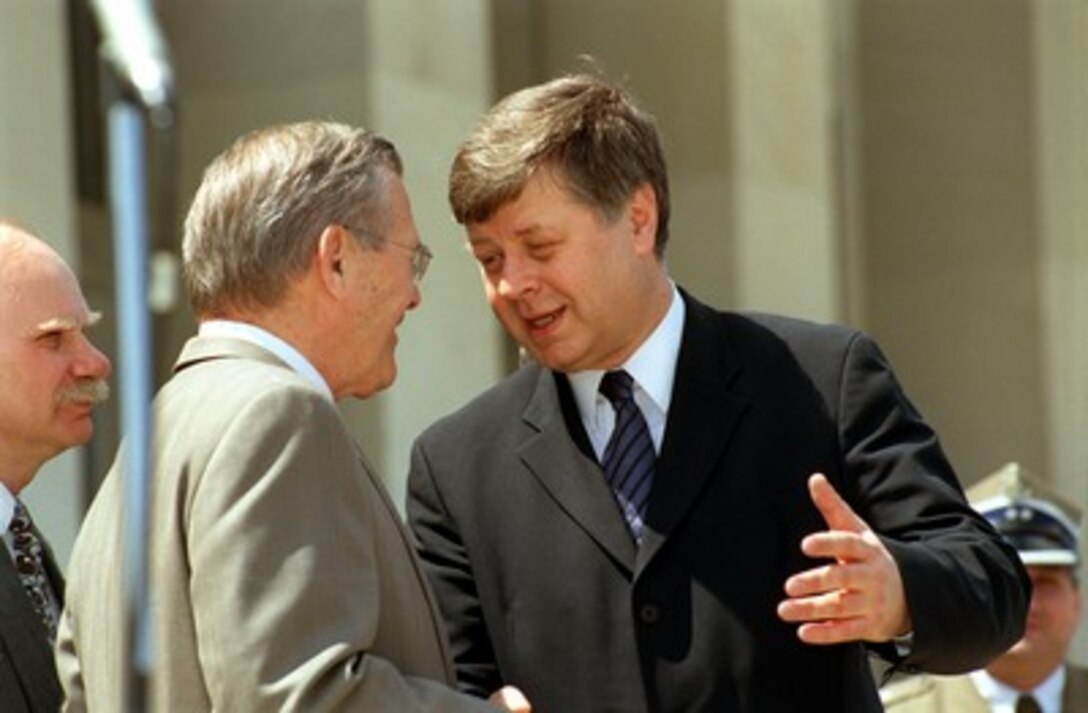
{"x": 836, "y": 512}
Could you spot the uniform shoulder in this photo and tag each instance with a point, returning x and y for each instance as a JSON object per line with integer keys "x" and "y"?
{"x": 903, "y": 693}
{"x": 930, "y": 693}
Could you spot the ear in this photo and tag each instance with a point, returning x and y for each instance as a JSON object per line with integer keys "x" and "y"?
{"x": 329, "y": 259}
{"x": 642, "y": 215}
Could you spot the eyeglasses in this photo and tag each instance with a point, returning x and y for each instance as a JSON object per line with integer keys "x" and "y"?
{"x": 420, "y": 257}
{"x": 421, "y": 254}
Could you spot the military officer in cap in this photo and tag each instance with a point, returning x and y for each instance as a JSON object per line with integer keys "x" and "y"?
{"x": 1034, "y": 674}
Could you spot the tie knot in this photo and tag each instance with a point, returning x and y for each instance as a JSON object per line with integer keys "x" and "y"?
{"x": 617, "y": 387}
{"x": 20, "y": 519}
{"x": 1026, "y": 703}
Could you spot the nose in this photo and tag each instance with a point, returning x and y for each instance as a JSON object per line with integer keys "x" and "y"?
{"x": 516, "y": 279}
{"x": 91, "y": 362}
{"x": 417, "y": 296}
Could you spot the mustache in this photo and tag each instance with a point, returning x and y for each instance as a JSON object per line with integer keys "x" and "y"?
{"x": 88, "y": 391}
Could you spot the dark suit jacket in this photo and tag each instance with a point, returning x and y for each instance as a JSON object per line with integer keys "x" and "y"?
{"x": 28, "y": 676}
{"x": 1075, "y": 694}
{"x": 542, "y": 587}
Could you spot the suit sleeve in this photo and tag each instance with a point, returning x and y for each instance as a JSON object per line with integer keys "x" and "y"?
{"x": 965, "y": 587}
{"x": 284, "y": 573}
{"x": 446, "y": 560}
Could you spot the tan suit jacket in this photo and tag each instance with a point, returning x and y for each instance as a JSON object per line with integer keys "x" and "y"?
{"x": 956, "y": 694}
{"x": 281, "y": 575}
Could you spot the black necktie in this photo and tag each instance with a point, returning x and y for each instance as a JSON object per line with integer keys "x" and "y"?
{"x": 31, "y": 568}
{"x": 1026, "y": 703}
{"x": 629, "y": 456}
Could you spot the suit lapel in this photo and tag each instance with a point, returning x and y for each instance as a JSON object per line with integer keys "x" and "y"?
{"x": 434, "y": 612}
{"x": 703, "y": 416}
{"x": 570, "y": 476}
{"x": 52, "y": 571}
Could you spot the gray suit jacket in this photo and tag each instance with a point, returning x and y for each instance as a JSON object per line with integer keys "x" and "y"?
{"x": 28, "y": 678}
{"x": 281, "y": 575}
{"x": 956, "y": 694}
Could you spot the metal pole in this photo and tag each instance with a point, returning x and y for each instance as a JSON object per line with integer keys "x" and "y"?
{"x": 135, "y": 50}
{"x": 129, "y": 204}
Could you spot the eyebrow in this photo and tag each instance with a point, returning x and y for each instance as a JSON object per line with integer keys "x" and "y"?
{"x": 67, "y": 323}
{"x": 528, "y": 231}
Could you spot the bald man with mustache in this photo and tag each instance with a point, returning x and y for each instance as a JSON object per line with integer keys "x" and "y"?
{"x": 51, "y": 378}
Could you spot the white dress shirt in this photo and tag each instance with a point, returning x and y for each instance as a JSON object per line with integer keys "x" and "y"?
{"x": 266, "y": 340}
{"x": 653, "y": 369}
{"x": 1002, "y": 698}
{"x": 7, "y": 512}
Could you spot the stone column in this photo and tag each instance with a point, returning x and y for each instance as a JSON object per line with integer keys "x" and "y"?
{"x": 786, "y": 191}
{"x": 429, "y": 70}
{"x": 1060, "y": 42}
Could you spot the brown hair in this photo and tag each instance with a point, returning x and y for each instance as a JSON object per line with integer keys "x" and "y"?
{"x": 598, "y": 143}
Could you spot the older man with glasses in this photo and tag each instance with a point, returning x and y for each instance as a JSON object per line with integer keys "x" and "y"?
{"x": 282, "y": 577}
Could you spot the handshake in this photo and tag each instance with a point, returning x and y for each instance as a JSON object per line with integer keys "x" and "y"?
{"x": 511, "y": 699}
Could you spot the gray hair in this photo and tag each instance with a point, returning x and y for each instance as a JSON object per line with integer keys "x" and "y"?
{"x": 263, "y": 203}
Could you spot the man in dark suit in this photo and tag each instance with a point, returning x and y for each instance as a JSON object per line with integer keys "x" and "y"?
{"x": 51, "y": 377}
{"x": 731, "y": 523}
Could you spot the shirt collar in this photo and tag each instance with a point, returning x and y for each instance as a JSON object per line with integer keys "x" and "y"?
{"x": 7, "y": 508}
{"x": 266, "y": 340}
{"x": 652, "y": 366}
{"x": 1047, "y": 694}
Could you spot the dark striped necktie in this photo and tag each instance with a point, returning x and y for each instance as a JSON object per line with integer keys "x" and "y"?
{"x": 629, "y": 457}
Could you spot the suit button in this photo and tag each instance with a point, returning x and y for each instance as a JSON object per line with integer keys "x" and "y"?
{"x": 649, "y": 614}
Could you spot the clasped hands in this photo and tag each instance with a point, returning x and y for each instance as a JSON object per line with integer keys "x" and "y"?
{"x": 510, "y": 698}
{"x": 858, "y": 595}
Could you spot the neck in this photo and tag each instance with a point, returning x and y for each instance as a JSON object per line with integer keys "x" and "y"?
{"x": 1024, "y": 676}
{"x": 657, "y": 294}
{"x": 300, "y": 323}
{"x": 16, "y": 470}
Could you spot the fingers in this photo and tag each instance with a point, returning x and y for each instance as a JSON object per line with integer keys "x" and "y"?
{"x": 832, "y": 604}
{"x": 839, "y": 545}
{"x": 836, "y": 513}
{"x": 828, "y": 578}
{"x": 836, "y": 631}
{"x": 858, "y": 595}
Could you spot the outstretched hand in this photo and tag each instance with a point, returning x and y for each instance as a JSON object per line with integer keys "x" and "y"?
{"x": 858, "y": 596}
